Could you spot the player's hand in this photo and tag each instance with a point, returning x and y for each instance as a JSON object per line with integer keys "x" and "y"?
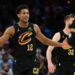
{"x": 65, "y": 44}
{"x": 51, "y": 67}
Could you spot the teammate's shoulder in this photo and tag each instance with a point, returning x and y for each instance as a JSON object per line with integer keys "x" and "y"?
{"x": 56, "y": 37}
{"x": 57, "y": 34}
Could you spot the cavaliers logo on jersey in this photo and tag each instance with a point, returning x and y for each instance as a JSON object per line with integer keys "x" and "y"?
{"x": 21, "y": 40}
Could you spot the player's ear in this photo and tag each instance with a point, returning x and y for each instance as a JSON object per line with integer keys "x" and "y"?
{"x": 18, "y": 15}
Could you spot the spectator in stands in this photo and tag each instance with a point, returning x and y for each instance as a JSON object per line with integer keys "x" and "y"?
{"x": 8, "y": 50}
{"x": 41, "y": 61}
{"x": 7, "y": 70}
{"x": 5, "y": 60}
{"x": 1, "y": 51}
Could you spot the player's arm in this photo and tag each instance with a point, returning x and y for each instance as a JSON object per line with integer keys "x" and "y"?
{"x": 56, "y": 38}
{"x": 51, "y": 67}
{"x": 44, "y": 39}
{"x": 7, "y": 34}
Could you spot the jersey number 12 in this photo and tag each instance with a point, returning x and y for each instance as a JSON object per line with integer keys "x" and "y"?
{"x": 30, "y": 47}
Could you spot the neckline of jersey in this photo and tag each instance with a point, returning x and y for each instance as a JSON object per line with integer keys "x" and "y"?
{"x": 65, "y": 33}
{"x": 25, "y": 27}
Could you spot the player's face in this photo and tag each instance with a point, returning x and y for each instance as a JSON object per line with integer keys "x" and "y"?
{"x": 24, "y": 15}
{"x": 71, "y": 21}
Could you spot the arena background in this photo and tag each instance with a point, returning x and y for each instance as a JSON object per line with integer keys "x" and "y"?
{"x": 48, "y": 14}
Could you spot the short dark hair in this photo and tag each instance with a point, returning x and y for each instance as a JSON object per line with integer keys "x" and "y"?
{"x": 20, "y": 7}
{"x": 69, "y": 16}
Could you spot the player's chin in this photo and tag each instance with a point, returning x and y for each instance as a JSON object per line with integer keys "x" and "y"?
{"x": 25, "y": 21}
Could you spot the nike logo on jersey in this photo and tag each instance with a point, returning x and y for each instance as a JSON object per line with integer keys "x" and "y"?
{"x": 30, "y": 29}
{"x": 18, "y": 30}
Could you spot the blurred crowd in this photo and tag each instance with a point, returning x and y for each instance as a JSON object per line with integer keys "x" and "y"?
{"x": 48, "y": 14}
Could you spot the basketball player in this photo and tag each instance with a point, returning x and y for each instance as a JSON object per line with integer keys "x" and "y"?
{"x": 65, "y": 57}
{"x": 71, "y": 38}
{"x": 24, "y": 36}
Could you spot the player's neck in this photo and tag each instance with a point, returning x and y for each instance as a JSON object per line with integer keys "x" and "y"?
{"x": 23, "y": 24}
{"x": 66, "y": 30}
